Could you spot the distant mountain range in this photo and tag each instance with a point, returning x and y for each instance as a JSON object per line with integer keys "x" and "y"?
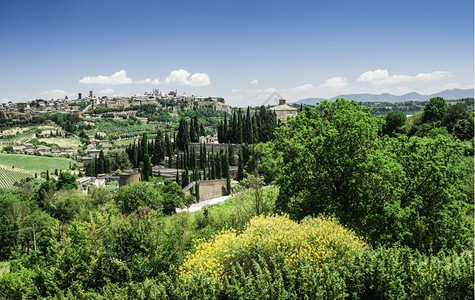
{"x": 447, "y": 95}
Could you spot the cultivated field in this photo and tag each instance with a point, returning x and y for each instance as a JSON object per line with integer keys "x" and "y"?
{"x": 9, "y": 176}
{"x": 35, "y": 164}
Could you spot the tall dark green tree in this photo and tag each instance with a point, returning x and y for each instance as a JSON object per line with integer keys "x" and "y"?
{"x": 228, "y": 182}
{"x": 232, "y": 161}
{"x": 183, "y": 136}
{"x": 147, "y": 168}
{"x": 240, "y": 175}
{"x": 247, "y": 127}
{"x": 158, "y": 149}
{"x": 239, "y": 127}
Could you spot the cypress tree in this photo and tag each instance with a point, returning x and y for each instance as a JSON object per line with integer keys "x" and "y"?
{"x": 203, "y": 157}
{"x": 143, "y": 147}
{"x": 194, "y": 130}
{"x": 232, "y": 161}
{"x": 47, "y": 174}
{"x": 136, "y": 156}
{"x": 156, "y": 149}
{"x": 239, "y": 127}
{"x": 197, "y": 192}
{"x": 170, "y": 161}
{"x": 168, "y": 151}
{"x": 193, "y": 158}
{"x": 219, "y": 168}
{"x": 224, "y": 163}
{"x": 255, "y": 130}
{"x": 228, "y": 182}
{"x": 212, "y": 167}
{"x": 147, "y": 168}
{"x": 183, "y": 137}
{"x": 225, "y": 130}
{"x": 185, "y": 179}
{"x": 202, "y": 130}
{"x": 247, "y": 127}
{"x": 177, "y": 178}
{"x": 233, "y": 130}
{"x": 240, "y": 175}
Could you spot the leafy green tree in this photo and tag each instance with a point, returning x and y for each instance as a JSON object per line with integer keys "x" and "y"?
{"x": 99, "y": 196}
{"x": 66, "y": 181}
{"x": 464, "y": 129}
{"x": 434, "y": 110}
{"x": 325, "y": 152}
{"x": 130, "y": 197}
{"x": 173, "y": 196}
{"x": 267, "y": 159}
{"x": 401, "y": 190}
{"x": 396, "y": 122}
{"x": 455, "y": 112}
{"x": 12, "y": 215}
{"x": 68, "y": 205}
{"x": 122, "y": 161}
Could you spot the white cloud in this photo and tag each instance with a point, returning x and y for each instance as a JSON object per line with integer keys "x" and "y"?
{"x": 155, "y": 81}
{"x": 148, "y": 80}
{"x": 235, "y": 90}
{"x": 55, "y": 94}
{"x": 255, "y": 81}
{"x": 183, "y": 77}
{"x": 114, "y": 79}
{"x": 380, "y": 77}
{"x": 107, "y": 91}
{"x": 335, "y": 82}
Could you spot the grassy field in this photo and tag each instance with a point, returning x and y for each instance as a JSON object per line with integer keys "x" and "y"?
{"x": 9, "y": 176}
{"x": 35, "y": 164}
{"x": 120, "y": 143}
{"x": 72, "y": 143}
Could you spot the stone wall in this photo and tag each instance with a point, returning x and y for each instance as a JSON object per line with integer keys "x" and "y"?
{"x": 128, "y": 178}
{"x": 210, "y": 189}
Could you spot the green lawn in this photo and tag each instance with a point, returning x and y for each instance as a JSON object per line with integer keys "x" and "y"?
{"x": 34, "y": 163}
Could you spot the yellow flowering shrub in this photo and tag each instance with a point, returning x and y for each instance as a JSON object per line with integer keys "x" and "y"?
{"x": 288, "y": 243}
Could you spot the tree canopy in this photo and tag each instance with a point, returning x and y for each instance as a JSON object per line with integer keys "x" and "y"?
{"x": 389, "y": 189}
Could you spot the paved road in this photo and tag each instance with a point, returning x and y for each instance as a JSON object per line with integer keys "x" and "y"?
{"x": 198, "y": 206}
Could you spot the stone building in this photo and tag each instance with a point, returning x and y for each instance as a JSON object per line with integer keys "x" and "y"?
{"x": 282, "y": 111}
{"x": 128, "y": 177}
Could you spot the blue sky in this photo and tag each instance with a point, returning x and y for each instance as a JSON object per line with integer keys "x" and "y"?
{"x": 243, "y": 51}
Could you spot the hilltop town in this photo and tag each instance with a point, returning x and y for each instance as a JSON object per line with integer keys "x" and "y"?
{"x": 81, "y": 106}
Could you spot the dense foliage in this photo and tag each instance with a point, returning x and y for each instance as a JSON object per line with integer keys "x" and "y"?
{"x": 403, "y": 190}
{"x": 373, "y": 208}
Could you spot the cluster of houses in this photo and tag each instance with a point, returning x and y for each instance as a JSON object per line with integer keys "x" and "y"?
{"x": 172, "y": 101}
{"x": 29, "y": 148}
